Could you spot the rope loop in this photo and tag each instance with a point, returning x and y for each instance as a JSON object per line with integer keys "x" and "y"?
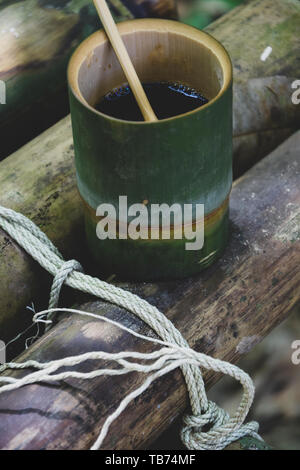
{"x": 222, "y": 429}
{"x": 216, "y": 438}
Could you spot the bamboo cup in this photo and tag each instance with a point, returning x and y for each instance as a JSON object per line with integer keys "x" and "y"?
{"x": 185, "y": 159}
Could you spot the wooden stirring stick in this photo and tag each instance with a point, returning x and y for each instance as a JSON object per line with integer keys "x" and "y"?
{"x": 124, "y": 59}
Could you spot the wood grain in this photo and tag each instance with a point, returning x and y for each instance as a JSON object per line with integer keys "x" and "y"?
{"x": 224, "y": 313}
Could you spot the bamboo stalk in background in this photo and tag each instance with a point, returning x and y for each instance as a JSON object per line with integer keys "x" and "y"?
{"x": 37, "y": 38}
{"x": 263, "y": 112}
{"x": 224, "y": 313}
{"x": 39, "y": 179}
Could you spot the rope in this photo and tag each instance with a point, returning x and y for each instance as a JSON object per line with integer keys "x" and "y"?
{"x": 223, "y": 429}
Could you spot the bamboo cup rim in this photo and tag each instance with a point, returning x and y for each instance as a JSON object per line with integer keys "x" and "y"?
{"x": 86, "y": 48}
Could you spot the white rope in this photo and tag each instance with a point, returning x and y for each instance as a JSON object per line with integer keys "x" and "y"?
{"x": 175, "y": 352}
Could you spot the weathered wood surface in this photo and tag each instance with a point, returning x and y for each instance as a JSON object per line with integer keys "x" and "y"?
{"x": 39, "y": 179}
{"x": 224, "y": 312}
{"x": 263, "y": 112}
{"x": 37, "y": 38}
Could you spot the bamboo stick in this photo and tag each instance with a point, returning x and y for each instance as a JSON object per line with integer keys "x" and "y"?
{"x": 39, "y": 180}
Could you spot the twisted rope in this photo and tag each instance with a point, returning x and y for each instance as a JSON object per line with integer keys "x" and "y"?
{"x": 223, "y": 429}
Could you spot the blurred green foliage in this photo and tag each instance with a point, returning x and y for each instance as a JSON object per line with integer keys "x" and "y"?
{"x": 200, "y": 13}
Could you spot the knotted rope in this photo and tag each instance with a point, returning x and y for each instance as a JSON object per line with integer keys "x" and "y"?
{"x": 223, "y": 429}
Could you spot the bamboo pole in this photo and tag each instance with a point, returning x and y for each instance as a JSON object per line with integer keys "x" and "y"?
{"x": 224, "y": 312}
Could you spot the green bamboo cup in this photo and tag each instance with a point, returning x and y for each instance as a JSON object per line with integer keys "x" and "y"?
{"x": 186, "y": 159}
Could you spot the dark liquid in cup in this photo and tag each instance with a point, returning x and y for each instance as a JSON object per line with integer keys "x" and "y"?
{"x": 166, "y": 99}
